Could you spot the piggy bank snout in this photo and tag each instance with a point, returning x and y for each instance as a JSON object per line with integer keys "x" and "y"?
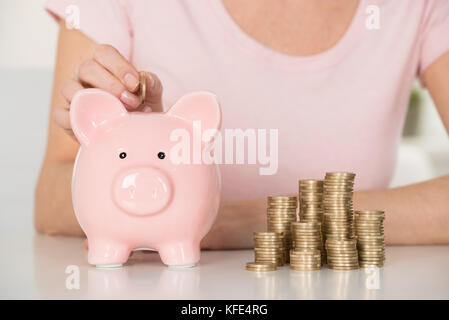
{"x": 141, "y": 190}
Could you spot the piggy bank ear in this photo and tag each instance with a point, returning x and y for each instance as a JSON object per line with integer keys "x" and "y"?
{"x": 198, "y": 106}
{"x": 93, "y": 111}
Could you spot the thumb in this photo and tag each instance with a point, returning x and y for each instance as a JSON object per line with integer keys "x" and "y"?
{"x": 153, "y": 96}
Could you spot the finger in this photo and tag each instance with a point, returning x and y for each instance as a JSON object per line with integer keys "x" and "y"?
{"x": 111, "y": 59}
{"x": 93, "y": 74}
{"x": 62, "y": 118}
{"x": 71, "y": 134}
{"x": 86, "y": 244}
{"x": 69, "y": 88}
{"x": 147, "y": 109}
{"x": 153, "y": 97}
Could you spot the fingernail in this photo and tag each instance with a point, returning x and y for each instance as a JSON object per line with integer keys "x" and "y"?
{"x": 152, "y": 82}
{"x": 131, "y": 81}
{"x": 147, "y": 109}
{"x": 130, "y": 99}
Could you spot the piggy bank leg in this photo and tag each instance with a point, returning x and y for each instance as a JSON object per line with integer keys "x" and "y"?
{"x": 107, "y": 254}
{"x": 180, "y": 254}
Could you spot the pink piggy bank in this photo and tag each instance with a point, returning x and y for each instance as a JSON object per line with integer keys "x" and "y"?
{"x": 127, "y": 191}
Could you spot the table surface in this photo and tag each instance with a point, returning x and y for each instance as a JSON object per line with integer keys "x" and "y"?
{"x": 34, "y": 267}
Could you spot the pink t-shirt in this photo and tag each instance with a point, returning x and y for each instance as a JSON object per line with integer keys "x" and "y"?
{"x": 340, "y": 110}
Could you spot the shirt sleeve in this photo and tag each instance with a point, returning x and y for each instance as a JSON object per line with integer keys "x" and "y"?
{"x": 434, "y": 33}
{"x": 103, "y": 21}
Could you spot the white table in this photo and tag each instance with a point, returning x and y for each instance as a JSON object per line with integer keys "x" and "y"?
{"x": 34, "y": 267}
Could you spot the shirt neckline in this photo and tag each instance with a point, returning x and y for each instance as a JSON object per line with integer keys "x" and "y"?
{"x": 321, "y": 60}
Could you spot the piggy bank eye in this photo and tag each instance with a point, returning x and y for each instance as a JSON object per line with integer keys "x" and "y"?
{"x": 122, "y": 155}
{"x": 161, "y": 155}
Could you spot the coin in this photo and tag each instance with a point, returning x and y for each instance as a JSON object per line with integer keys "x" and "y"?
{"x": 266, "y": 235}
{"x": 370, "y": 237}
{"x": 338, "y": 230}
{"x": 260, "y": 266}
{"x": 270, "y": 247}
{"x": 142, "y": 86}
{"x": 328, "y": 228}
{"x": 281, "y": 212}
{"x": 307, "y": 244}
{"x": 307, "y": 233}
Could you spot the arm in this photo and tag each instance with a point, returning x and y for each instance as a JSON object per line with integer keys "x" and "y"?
{"x": 53, "y": 205}
{"x": 98, "y": 66}
{"x": 418, "y": 213}
{"x": 415, "y": 214}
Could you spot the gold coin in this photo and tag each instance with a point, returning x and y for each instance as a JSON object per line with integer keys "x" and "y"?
{"x": 337, "y": 259}
{"x": 371, "y": 212}
{"x": 305, "y": 263}
{"x": 142, "y": 87}
{"x": 304, "y": 260}
{"x": 305, "y": 267}
{"x": 307, "y": 239}
{"x": 306, "y": 225}
{"x": 268, "y": 240}
{"x": 342, "y": 264}
{"x": 276, "y": 245}
{"x": 372, "y": 258}
{"x": 341, "y": 242}
{"x": 260, "y": 249}
{"x": 344, "y": 268}
{"x": 265, "y": 234}
{"x": 302, "y": 256}
{"x": 281, "y": 198}
{"x": 260, "y": 266}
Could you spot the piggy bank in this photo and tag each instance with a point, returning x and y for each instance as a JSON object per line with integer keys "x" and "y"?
{"x": 127, "y": 190}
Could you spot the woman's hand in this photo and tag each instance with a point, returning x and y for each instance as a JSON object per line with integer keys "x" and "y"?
{"x": 110, "y": 71}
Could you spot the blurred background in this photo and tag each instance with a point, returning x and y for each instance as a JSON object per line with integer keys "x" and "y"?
{"x": 28, "y": 40}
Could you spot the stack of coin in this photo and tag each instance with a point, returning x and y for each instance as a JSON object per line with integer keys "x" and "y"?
{"x": 311, "y": 200}
{"x": 370, "y": 237}
{"x": 281, "y": 212}
{"x": 305, "y": 259}
{"x": 260, "y": 266}
{"x": 269, "y": 247}
{"x": 342, "y": 254}
{"x": 338, "y": 209}
{"x": 307, "y": 235}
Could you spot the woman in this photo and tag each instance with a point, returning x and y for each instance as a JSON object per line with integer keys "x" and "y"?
{"x": 333, "y": 77}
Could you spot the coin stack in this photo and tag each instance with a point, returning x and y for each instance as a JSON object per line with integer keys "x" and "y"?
{"x": 338, "y": 209}
{"x": 370, "y": 237}
{"x": 311, "y": 205}
{"x": 281, "y": 212}
{"x": 307, "y": 235}
{"x": 311, "y": 200}
{"x": 260, "y": 266}
{"x": 305, "y": 259}
{"x": 269, "y": 247}
{"x": 342, "y": 254}
{"x": 338, "y": 220}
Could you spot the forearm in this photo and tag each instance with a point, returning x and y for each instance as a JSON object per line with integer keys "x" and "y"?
{"x": 53, "y": 204}
{"x": 235, "y": 224}
{"x": 415, "y": 214}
